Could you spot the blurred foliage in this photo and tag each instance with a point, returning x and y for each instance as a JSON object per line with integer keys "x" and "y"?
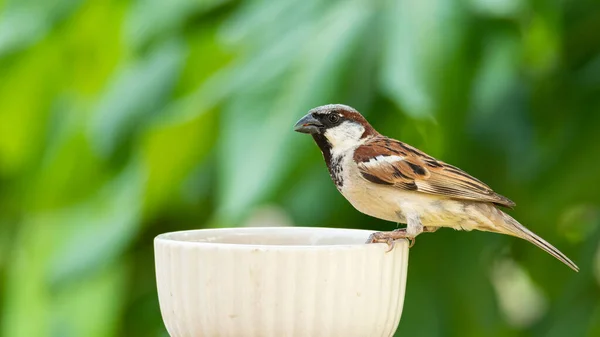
{"x": 120, "y": 120}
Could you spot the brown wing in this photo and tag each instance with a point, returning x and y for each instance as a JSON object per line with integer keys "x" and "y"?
{"x": 390, "y": 162}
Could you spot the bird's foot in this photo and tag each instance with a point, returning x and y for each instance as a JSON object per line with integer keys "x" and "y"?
{"x": 390, "y": 237}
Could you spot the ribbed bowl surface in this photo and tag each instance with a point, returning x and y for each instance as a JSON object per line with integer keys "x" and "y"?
{"x": 288, "y": 281}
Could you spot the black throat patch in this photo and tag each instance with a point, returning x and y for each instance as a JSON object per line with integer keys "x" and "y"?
{"x": 333, "y": 164}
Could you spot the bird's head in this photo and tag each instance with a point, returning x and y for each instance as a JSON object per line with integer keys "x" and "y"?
{"x": 340, "y": 125}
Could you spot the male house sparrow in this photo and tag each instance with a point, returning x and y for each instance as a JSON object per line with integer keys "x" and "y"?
{"x": 393, "y": 181}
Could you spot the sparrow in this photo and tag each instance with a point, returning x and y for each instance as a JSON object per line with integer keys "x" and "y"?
{"x": 391, "y": 180}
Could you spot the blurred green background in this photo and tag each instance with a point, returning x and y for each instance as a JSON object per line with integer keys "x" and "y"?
{"x": 120, "y": 120}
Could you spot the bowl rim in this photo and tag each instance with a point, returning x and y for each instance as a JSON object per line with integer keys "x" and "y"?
{"x": 165, "y": 238}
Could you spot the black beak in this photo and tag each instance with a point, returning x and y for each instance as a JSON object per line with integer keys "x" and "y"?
{"x": 308, "y": 124}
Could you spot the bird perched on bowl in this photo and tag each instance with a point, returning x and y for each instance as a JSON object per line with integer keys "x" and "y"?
{"x": 393, "y": 181}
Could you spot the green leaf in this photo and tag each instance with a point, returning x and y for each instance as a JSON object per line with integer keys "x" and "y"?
{"x": 501, "y": 9}
{"x": 92, "y": 307}
{"x": 62, "y": 260}
{"x": 497, "y": 73}
{"x": 172, "y": 147}
{"x": 150, "y": 18}
{"x": 419, "y": 37}
{"x": 94, "y": 233}
{"x": 23, "y": 23}
{"x": 138, "y": 90}
{"x": 258, "y": 135}
{"x": 22, "y": 118}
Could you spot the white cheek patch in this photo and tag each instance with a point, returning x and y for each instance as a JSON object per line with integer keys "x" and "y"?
{"x": 344, "y": 136}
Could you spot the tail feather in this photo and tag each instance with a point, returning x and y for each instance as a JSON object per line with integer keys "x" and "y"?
{"x": 516, "y": 229}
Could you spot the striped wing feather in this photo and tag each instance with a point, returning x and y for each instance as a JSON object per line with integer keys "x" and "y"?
{"x": 390, "y": 162}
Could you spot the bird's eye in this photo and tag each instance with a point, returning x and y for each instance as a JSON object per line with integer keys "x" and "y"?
{"x": 334, "y": 118}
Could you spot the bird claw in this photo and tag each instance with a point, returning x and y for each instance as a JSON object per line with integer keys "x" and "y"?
{"x": 390, "y": 238}
{"x": 390, "y": 242}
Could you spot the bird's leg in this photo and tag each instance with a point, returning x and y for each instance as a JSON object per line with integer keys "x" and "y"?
{"x": 413, "y": 227}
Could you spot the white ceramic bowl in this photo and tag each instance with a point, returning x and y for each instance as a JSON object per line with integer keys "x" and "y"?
{"x": 281, "y": 281}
